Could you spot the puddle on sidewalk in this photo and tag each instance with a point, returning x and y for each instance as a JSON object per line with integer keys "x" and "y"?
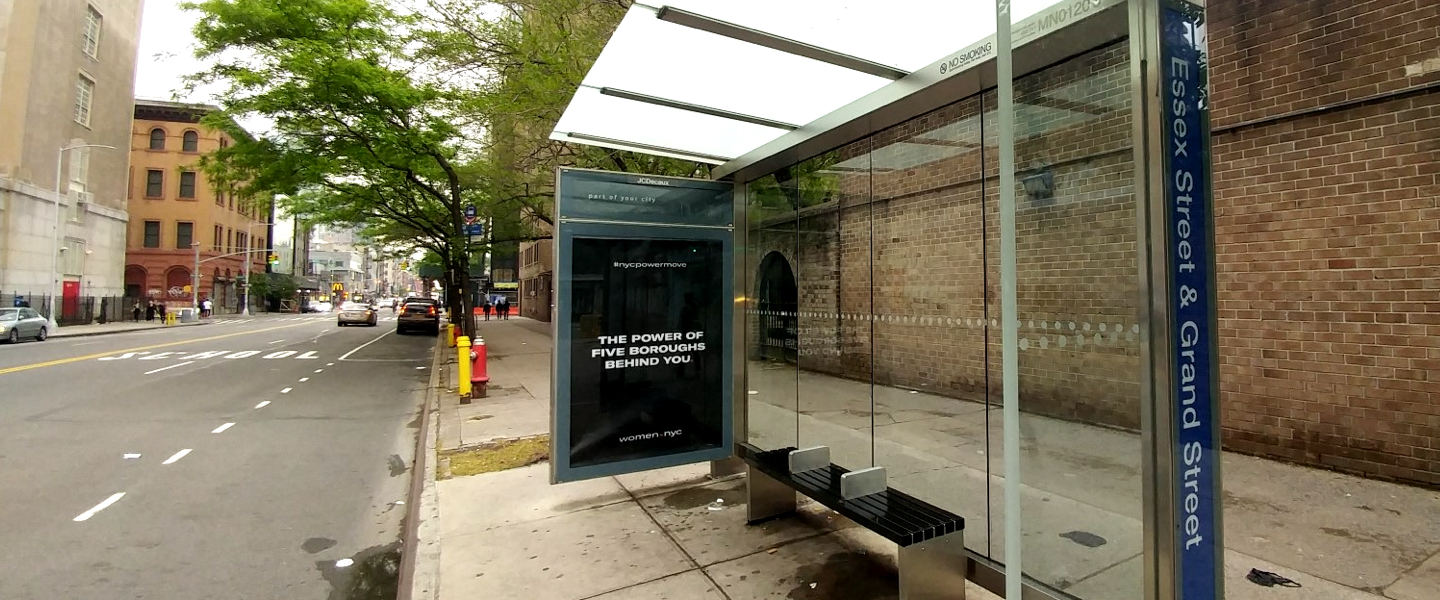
{"x": 847, "y": 575}
{"x": 374, "y": 574}
{"x": 692, "y": 498}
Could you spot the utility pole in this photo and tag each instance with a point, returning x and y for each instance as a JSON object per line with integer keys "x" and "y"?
{"x": 195, "y": 280}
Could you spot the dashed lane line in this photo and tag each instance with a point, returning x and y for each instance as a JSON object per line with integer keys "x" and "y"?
{"x": 304, "y": 379}
{"x": 286, "y": 390}
{"x": 262, "y": 404}
{"x": 62, "y": 361}
{"x": 222, "y": 428}
{"x": 176, "y": 456}
{"x": 85, "y": 516}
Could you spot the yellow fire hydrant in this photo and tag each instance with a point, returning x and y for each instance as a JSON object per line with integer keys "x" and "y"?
{"x": 463, "y": 349}
{"x": 450, "y": 335}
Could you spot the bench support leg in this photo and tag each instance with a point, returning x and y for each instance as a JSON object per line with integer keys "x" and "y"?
{"x": 934, "y": 569}
{"x": 766, "y": 497}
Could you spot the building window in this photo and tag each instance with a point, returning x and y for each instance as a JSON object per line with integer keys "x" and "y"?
{"x": 157, "y": 139}
{"x": 154, "y": 183}
{"x": 152, "y": 234}
{"x": 91, "y": 44}
{"x": 229, "y": 240}
{"x": 187, "y": 184}
{"x": 219, "y": 237}
{"x": 190, "y": 142}
{"x": 73, "y": 261}
{"x": 219, "y": 198}
{"x": 184, "y": 235}
{"x": 224, "y": 142}
{"x": 84, "y": 93}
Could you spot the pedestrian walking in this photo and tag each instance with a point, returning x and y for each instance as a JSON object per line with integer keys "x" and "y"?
{"x": 206, "y": 308}
{"x": 136, "y": 311}
{"x": 505, "y": 308}
{"x": 486, "y": 307}
{"x": 150, "y": 311}
{"x": 160, "y": 310}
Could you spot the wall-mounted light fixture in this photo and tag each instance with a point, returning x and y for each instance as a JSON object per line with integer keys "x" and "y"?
{"x": 1040, "y": 185}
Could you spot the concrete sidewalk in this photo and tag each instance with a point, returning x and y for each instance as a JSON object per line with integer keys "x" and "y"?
{"x": 115, "y": 327}
{"x": 670, "y": 533}
{"x": 678, "y": 533}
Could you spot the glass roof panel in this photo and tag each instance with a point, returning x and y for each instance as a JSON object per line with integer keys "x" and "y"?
{"x": 661, "y": 59}
{"x": 675, "y": 62}
{"x": 593, "y": 114}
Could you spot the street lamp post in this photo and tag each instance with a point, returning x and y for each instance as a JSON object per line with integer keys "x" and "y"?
{"x": 245, "y": 308}
{"x": 195, "y": 281}
{"x": 53, "y": 323}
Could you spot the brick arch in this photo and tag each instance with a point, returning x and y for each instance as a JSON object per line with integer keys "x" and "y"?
{"x": 176, "y": 277}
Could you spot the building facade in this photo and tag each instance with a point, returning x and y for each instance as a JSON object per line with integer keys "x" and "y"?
{"x": 67, "y": 72}
{"x": 537, "y": 264}
{"x": 175, "y": 211}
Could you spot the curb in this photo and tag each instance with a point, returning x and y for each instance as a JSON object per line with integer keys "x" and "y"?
{"x": 420, "y": 557}
{"x": 137, "y": 329}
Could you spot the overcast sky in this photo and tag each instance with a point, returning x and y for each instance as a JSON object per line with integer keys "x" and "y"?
{"x": 166, "y": 51}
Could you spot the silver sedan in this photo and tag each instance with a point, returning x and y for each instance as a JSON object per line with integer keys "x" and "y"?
{"x": 356, "y": 313}
{"x": 16, "y": 323}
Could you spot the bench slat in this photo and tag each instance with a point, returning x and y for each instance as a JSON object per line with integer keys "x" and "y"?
{"x": 899, "y": 517}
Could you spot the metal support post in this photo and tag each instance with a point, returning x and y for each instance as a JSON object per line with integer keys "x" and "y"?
{"x": 933, "y": 569}
{"x": 462, "y": 346}
{"x": 766, "y": 497}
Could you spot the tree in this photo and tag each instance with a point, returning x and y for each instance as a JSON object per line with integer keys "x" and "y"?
{"x": 526, "y": 64}
{"x": 358, "y": 139}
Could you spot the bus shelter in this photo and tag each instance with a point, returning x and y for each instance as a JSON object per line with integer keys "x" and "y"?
{"x": 978, "y": 259}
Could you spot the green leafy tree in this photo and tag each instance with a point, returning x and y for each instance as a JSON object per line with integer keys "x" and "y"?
{"x": 358, "y": 139}
{"x": 525, "y": 60}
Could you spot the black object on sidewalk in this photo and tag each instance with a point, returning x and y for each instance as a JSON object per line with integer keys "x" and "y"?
{"x": 1268, "y": 579}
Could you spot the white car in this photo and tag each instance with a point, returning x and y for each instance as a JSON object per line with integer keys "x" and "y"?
{"x": 356, "y": 313}
{"x": 320, "y": 307}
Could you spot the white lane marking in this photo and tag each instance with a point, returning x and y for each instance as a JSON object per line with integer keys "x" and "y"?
{"x": 344, "y": 562}
{"x": 263, "y": 404}
{"x": 131, "y": 455}
{"x": 176, "y": 456}
{"x": 362, "y": 346}
{"x": 85, "y": 344}
{"x": 170, "y": 367}
{"x": 304, "y": 379}
{"x": 319, "y": 370}
{"x": 85, "y": 516}
{"x": 286, "y": 390}
{"x": 222, "y": 428}
{"x": 275, "y": 342}
{"x": 329, "y": 364}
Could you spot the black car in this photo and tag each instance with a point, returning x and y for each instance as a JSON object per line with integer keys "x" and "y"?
{"x": 418, "y": 313}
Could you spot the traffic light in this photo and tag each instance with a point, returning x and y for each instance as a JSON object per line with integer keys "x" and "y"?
{"x": 274, "y": 259}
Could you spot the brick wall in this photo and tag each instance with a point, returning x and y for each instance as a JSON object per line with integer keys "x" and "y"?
{"x": 1328, "y": 231}
{"x": 898, "y": 263}
{"x": 1326, "y": 153}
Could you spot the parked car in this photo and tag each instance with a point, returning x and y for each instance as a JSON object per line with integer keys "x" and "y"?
{"x": 353, "y": 313}
{"x": 418, "y": 313}
{"x": 319, "y": 307}
{"x": 16, "y": 323}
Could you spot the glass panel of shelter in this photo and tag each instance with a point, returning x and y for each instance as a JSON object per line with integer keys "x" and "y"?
{"x": 888, "y": 250}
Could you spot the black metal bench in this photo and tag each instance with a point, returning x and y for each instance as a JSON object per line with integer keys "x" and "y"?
{"x": 931, "y": 541}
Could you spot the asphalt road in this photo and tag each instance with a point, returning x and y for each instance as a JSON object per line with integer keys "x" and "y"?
{"x": 252, "y": 456}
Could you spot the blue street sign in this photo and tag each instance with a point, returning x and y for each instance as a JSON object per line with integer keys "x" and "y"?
{"x": 470, "y": 211}
{"x": 475, "y": 229}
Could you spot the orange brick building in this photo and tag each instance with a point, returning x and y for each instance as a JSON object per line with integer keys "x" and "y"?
{"x": 172, "y": 206}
